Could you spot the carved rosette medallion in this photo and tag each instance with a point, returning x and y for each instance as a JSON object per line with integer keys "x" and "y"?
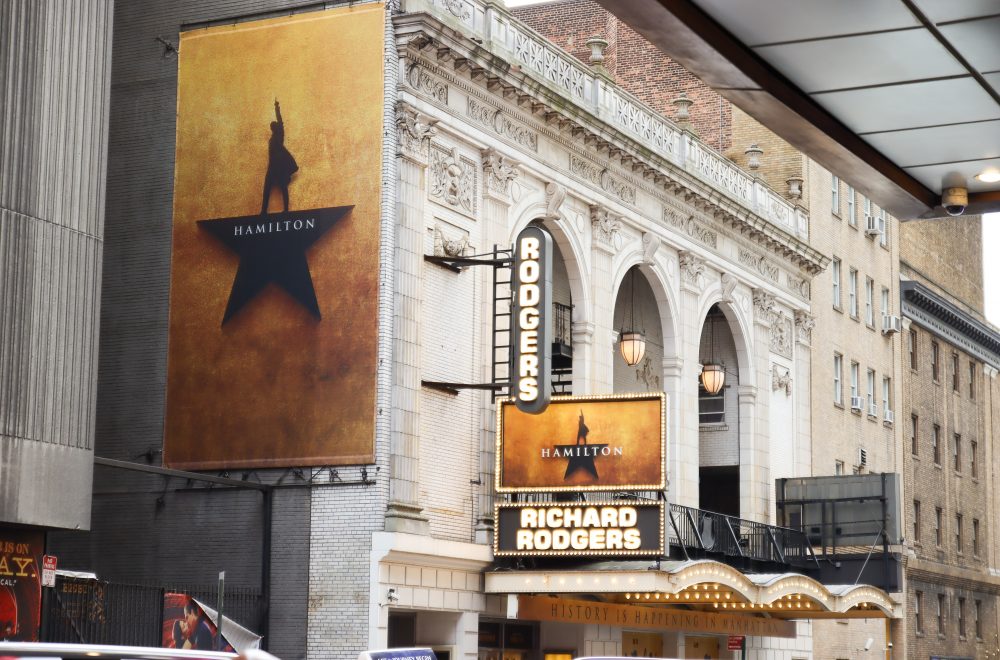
{"x": 804, "y": 323}
{"x": 498, "y": 172}
{"x": 606, "y": 226}
{"x": 414, "y": 131}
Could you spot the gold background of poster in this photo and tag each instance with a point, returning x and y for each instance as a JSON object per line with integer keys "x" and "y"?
{"x": 633, "y": 423}
{"x": 275, "y": 386}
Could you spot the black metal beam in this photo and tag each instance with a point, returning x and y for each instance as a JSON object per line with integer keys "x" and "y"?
{"x": 183, "y": 474}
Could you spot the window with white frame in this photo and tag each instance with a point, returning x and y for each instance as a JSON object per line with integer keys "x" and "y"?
{"x": 835, "y": 273}
{"x": 872, "y": 406}
{"x": 852, "y": 293}
{"x": 854, "y": 380}
{"x": 835, "y": 194}
{"x": 867, "y": 206}
{"x": 885, "y": 302}
{"x": 852, "y": 217}
{"x": 887, "y": 397}
{"x": 883, "y": 227}
{"x": 870, "y": 301}
{"x": 838, "y": 365}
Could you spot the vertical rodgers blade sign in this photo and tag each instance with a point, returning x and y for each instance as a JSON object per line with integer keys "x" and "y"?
{"x": 274, "y": 272}
{"x": 532, "y": 323}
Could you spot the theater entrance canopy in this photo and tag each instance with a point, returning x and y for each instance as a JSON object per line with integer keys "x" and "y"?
{"x": 667, "y": 594}
{"x": 902, "y": 96}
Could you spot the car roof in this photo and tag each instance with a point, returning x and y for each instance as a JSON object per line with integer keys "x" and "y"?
{"x": 91, "y": 651}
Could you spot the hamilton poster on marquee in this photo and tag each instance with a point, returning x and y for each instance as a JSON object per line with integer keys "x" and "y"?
{"x": 274, "y": 280}
{"x": 583, "y": 443}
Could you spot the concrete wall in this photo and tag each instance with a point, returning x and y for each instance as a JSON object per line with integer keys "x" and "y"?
{"x": 54, "y": 76}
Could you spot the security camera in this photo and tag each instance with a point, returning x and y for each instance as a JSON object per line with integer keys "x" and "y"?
{"x": 868, "y": 643}
{"x": 889, "y": 645}
{"x": 955, "y": 200}
{"x": 391, "y": 596}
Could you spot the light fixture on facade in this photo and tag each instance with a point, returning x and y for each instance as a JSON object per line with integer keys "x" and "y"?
{"x": 713, "y": 376}
{"x": 989, "y": 175}
{"x": 632, "y": 342}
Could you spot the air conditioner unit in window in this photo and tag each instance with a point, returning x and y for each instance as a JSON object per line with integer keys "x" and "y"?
{"x": 862, "y": 457}
{"x": 891, "y": 324}
{"x": 871, "y": 225}
{"x": 890, "y": 417}
{"x": 857, "y": 403}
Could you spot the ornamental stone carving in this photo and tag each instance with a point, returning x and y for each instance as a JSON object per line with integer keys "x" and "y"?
{"x": 555, "y": 195}
{"x": 781, "y": 379}
{"x": 422, "y": 81}
{"x": 498, "y": 172}
{"x": 728, "y": 286}
{"x": 605, "y": 224}
{"x": 449, "y": 247}
{"x": 692, "y": 268}
{"x": 453, "y": 179}
{"x": 763, "y": 306}
{"x": 804, "y": 323}
{"x": 413, "y": 132}
{"x": 781, "y": 335}
{"x": 650, "y": 244}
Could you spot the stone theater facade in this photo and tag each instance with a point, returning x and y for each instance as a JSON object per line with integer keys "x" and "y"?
{"x": 315, "y": 413}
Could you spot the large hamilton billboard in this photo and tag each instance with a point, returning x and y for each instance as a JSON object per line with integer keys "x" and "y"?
{"x": 274, "y": 280}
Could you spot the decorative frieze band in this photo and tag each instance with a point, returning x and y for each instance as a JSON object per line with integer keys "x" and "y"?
{"x": 691, "y": 227}
{"x": 422, "y": 81}
{"x": 500, "y": 123}
{"x": 602, "y": 178}
{"x": 761, "y": 264}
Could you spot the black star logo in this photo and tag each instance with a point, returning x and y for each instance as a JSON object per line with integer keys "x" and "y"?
{"x": 581, "y": 457}
{"x": 272, "y": 248}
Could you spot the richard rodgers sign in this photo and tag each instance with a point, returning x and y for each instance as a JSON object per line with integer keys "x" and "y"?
{"x": 532, "y": 325}
{"x": 597, "y": 528}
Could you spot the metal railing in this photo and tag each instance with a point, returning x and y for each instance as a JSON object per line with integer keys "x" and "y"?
{"x": 718, "y": 534}
{"x": 85, "y": 611}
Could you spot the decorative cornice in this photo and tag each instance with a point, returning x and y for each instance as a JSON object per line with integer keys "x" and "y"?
{"x": 651, "y": 152}
{"x": 945, "y": 319}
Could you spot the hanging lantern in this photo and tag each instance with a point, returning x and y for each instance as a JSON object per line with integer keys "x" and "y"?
{"x": 632, "y": 347}
{"x": 632, "y": 342}
{"x": 712, "y": 378}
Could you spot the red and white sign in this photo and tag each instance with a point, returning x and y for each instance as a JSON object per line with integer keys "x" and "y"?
{"x": 735, "y": 642}
{"x": 49, "y": 563}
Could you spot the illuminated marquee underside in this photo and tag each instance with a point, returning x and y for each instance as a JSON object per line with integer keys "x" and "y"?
{"x": 598, "y": 528}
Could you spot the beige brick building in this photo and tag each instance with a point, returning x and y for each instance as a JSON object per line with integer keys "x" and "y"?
{"x": 949, "y": 399}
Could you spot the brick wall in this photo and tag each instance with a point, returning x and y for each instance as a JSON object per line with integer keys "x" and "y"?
{"x": 947, "y": 254}
{"x": 633, "y": 63}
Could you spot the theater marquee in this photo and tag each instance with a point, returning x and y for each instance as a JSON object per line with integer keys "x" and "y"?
{"x": 579, "y": 528}
{"x": 274, "y": 279}
{"x": 583, "y": 444}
